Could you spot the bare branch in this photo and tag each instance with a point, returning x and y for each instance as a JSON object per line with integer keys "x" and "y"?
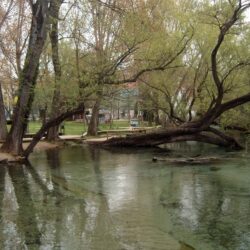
{"x": 6, "y": 13}
{"x": 235, "y": 67}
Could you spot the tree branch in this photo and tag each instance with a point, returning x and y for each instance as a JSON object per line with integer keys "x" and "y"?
{"x": 51, "y": 123}
{"x": 160, "y": 67}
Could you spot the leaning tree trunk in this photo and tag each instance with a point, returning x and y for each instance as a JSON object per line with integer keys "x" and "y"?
{"x": 3, "y": 123}
{"x": 28, "y": 77}
{"x": 53, "y": 132}
{"x": 51, "y": 123}
{"x": 211, "y": 136}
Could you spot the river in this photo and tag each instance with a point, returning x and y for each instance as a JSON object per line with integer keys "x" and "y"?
{"x": 90, "y": 198}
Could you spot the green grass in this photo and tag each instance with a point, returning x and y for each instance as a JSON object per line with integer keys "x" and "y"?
{"x": 33, "y": 127}
{"x": 77, "y": 128}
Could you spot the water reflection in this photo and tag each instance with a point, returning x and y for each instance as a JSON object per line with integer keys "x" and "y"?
{"x": 88, "y": 198}
{"x": 2, "y": 184}
{"x": 206, "y": 206}
{"x": 18, "y": 223}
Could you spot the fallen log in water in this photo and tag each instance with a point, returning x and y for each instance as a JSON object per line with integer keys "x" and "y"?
{"x": 190, "y": 160}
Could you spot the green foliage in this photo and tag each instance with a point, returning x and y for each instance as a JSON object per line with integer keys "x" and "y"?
{"x": 238, "y": 117}
{"x": 108, "y": 46}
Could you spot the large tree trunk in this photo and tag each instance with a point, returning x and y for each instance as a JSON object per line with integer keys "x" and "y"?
{"x": 53, "y": 132}
{"x": 28, "y": 77}
{"x": 3, "y": 123}
{"x": 199, "y": 130}
{"x": 94, "y": 120}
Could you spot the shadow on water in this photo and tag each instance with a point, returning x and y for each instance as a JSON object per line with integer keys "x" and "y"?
{"x": 34, "y": 208}
{"x": 54, "y": 172}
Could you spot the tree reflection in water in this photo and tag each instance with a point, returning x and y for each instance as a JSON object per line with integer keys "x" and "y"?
{"x": 89, "y": 198}
{"x": 50, "y": 212}
{"x": 35, "y": 211}
{"x": 205, "y": 212}
{"x": 2, "y": 185}
{"x": 18, "y": 221}
{"x": 26, "y": 219}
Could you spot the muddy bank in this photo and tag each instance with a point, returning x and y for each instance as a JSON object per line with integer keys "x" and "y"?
{"x": 42, "y": 145}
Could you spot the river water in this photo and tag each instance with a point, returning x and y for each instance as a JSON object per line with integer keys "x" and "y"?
{"x": 90, "y": 198}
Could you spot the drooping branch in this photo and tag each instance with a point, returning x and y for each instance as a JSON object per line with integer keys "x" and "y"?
{"x": 233, "y": 103}
{"x": 111, "y": 71}
{"x": 235, "y": 67}
{"x": 228, "y": 139}
{"x": 171, "y": 114}
{"x": 51, "y": 123}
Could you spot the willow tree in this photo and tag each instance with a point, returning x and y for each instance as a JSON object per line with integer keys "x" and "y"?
{"x": 225, "y": 66}
{"x": 122, "y": 44}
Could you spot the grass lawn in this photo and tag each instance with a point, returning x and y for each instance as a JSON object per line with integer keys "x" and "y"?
{"x": 77, "y": 128}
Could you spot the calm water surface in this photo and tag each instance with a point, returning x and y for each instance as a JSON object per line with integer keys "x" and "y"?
{"x": 87, "y": 198}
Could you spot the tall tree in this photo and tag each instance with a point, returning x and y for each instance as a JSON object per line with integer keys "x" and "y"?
{"x": 52, "y": 133}
{"x": 199, "y": 128}
{"x": 28, "y": 75}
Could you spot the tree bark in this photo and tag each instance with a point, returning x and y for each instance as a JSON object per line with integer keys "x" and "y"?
{"x": 3, "y": 123}
{"x": 94, "y": 120}
{"x": 53, "y": 132}
{"x": 174, "y": 135}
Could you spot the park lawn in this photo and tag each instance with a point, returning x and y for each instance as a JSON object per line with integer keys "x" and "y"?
{"x": 70, "y": 127}
{"x": 77, "y": 128}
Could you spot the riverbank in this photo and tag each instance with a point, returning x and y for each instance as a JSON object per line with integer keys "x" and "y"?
{"x": 42, "y": 145}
